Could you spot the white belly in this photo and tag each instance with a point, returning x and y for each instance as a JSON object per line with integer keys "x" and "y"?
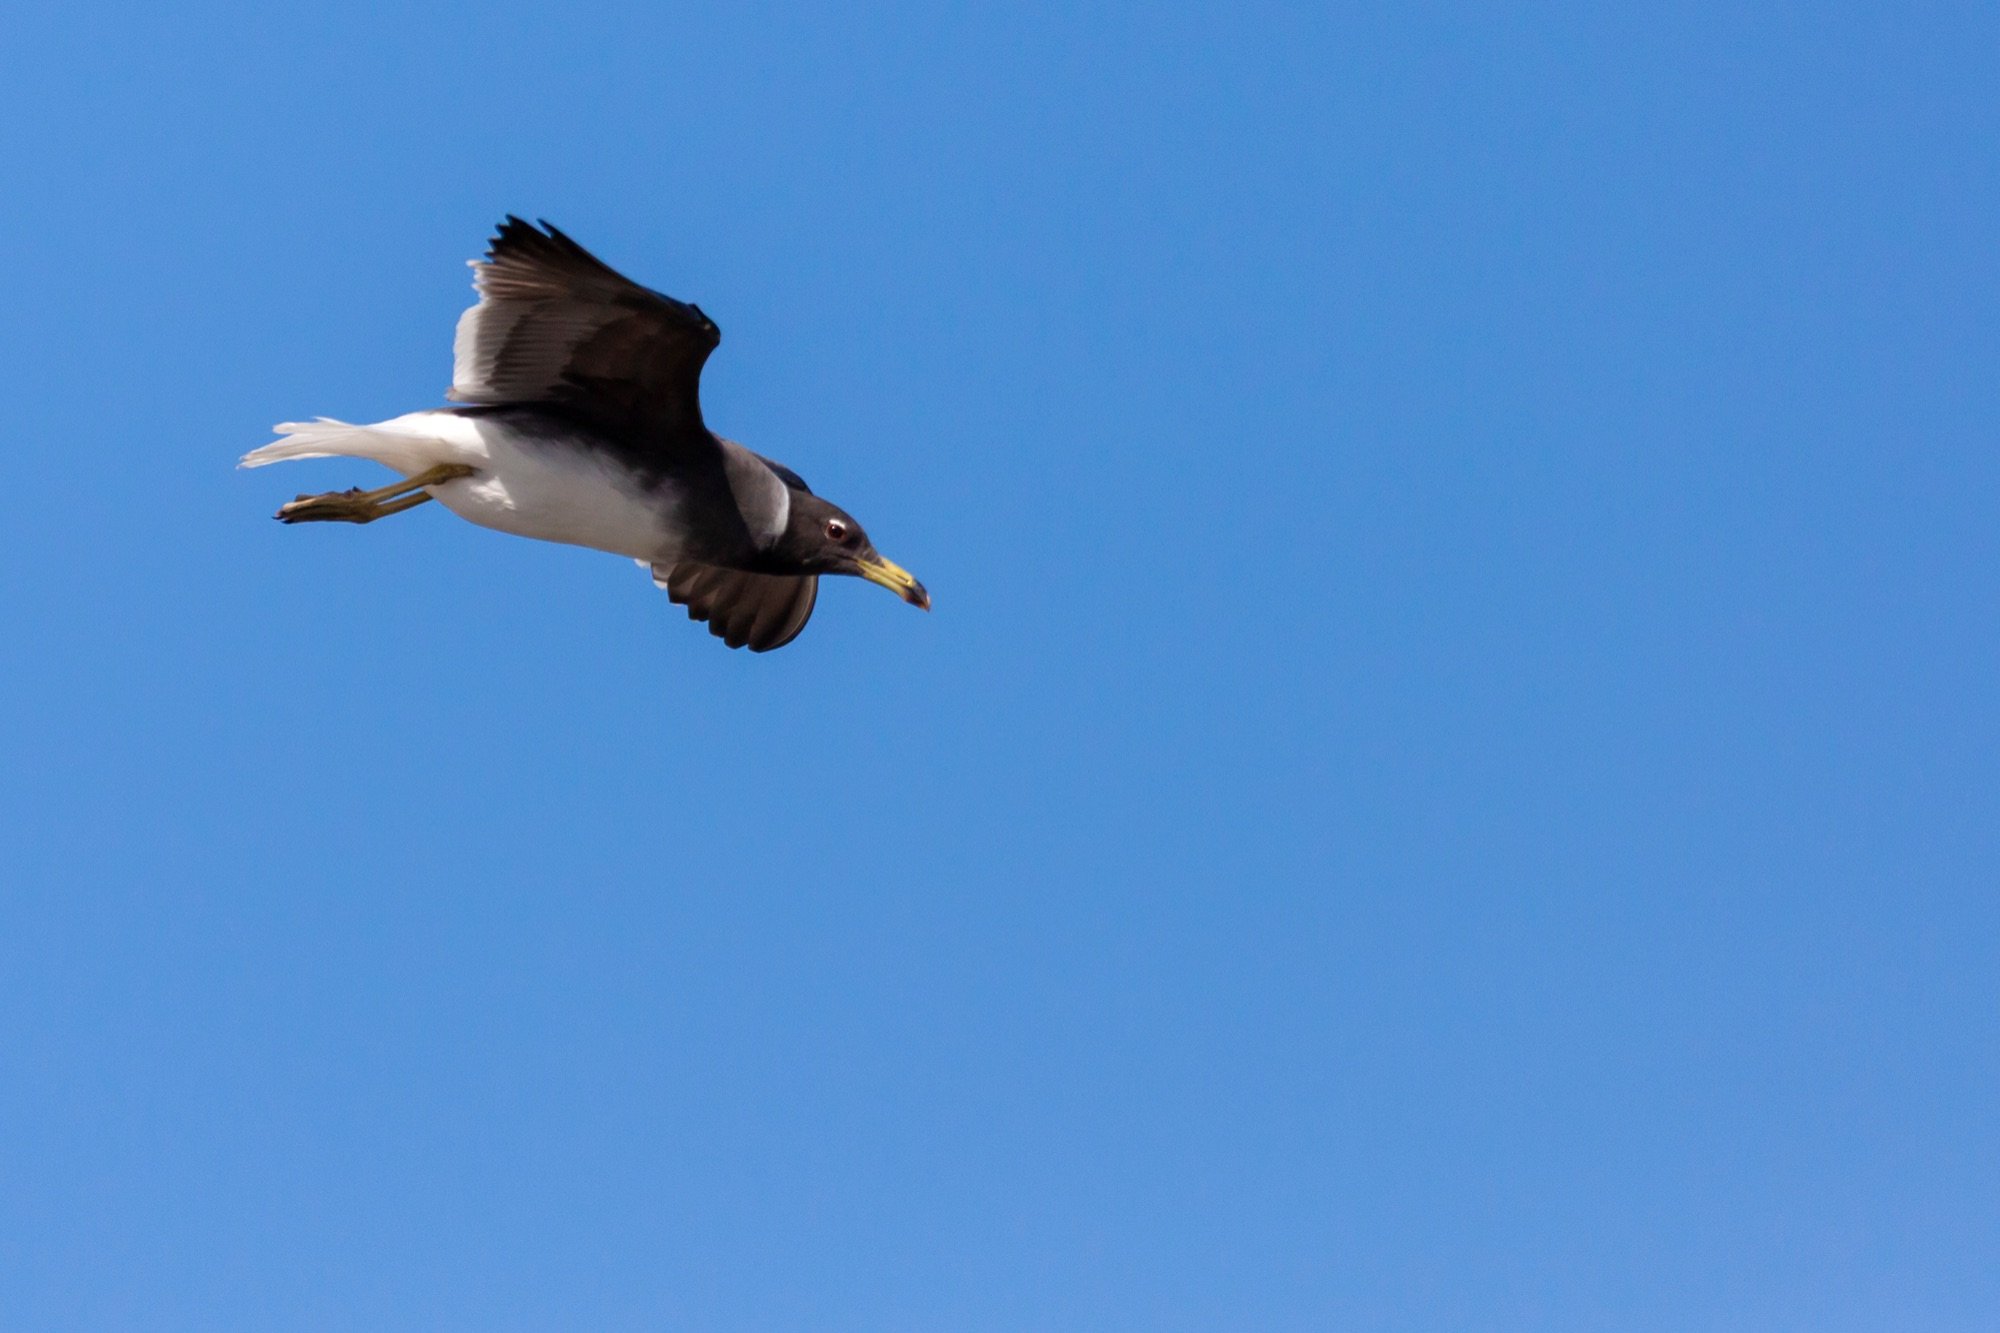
{"x": 547, "y": 490}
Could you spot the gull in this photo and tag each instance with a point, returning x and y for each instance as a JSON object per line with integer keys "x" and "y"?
{"x": 578, "y": 420}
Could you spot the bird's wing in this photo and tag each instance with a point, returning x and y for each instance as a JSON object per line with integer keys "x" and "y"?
{"x": 556, "y": 326}
{"x": 764, "y": 611}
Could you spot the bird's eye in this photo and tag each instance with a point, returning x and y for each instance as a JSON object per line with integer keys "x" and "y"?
{"x": 836, "y": 531}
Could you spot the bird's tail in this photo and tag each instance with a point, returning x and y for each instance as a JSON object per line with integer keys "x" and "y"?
{"x": 389, "y": 442}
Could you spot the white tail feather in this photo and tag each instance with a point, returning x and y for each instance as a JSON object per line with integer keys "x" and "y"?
{"x": 320, "y": 438}
{"x": 407, "y": 443}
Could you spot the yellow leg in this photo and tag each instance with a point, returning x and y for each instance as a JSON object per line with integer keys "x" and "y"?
{"x": 359, "y": 506}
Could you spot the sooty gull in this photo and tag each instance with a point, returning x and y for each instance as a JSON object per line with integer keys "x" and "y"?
{"x": 580, "y": 422}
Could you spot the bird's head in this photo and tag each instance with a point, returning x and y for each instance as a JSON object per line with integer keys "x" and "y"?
{"x": 823, "y": 538}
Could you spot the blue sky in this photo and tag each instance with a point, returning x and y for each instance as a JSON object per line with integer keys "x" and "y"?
{"x": 1451, "y": 783}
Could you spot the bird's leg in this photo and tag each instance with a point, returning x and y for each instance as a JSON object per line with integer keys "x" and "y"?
{"x": 359, "y": 506}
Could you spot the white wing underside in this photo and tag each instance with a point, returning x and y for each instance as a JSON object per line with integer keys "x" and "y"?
{"x": 538, "y": 341}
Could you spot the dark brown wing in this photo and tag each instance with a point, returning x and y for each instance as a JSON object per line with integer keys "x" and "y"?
{"x": 763, "y": 611}
{"x": 555, "y": 326}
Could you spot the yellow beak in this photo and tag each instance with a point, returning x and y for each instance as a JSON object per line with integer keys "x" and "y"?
{"x": 896, "y": 579}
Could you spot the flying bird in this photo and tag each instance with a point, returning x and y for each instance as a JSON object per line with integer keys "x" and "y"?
{"x": 579, "y": 421}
